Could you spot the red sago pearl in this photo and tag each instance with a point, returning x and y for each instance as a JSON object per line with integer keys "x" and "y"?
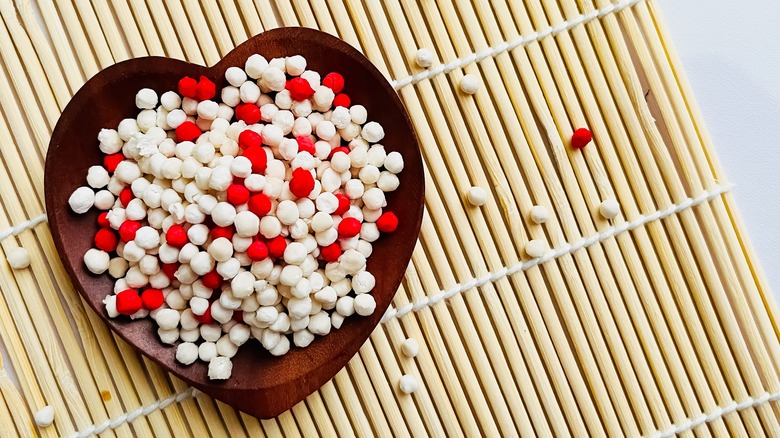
{"x": 212, "y": 280}
{"x": 206, "y": 318}
{"x": 259, "y": 204}
{"x": 188, "y": 87}
{"x": 276, "y": 246}
{"x": 205, "y": 89}
{"x": 302, "y": 183}
{"x": 257, "y": 156}
{"x": 334, "y": 81}
{"x": 169, "y": 269}
{"x": 176, "y": 236}
{"x": 305, "y": 144}
{"x": 226, "y": 232}
{"x": 125, "y": 196}
{"x": 349, "y": 227}
{"x": 299, "y": 88}
{"x": 257, "y": 251}
{"x": 152, "y": 299}
{"x": 106, "y": 240}
{"x": 127, "y": 230}
{"x": 387, "y": 223}
{"x": 342, "y": 99}
{"x": 128, "y": 302}
{"x": 249, "y": 138}
{"x": 248, "y": 113}
{"x": 187, "y": 131}
{"x": 237, "y": 194}
{"x": 343, "y": 204}
{"x": 111, "y": 161}
{"x": 331, "y": 253}
{"x": 102, "y": 220}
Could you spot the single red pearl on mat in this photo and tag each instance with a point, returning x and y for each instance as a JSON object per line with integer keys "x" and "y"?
{"x": 581, "y": 138}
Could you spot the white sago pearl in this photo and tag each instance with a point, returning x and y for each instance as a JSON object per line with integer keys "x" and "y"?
{"x": 146, "y": 98}
{"x": 187, "y": 353}
{"x": 321, "y": 221}
{"x": 255, "y": 66}
{"x": 609, "y": 209}
{"x": 363, "y": 282}
{"x": 319, "y": 323}
{"x": 291, "y": 275}
{"x": 235, "y": 76}
{"x": 295, "y": 65}
{"x": 331, "y": 180}
{"x": 340, "y": 117}
{"x": 326, "y": 130}
{"x": 394, "y": 162}
{"x": 104, "y": 200}
{"x": 208, "y": 109}
{"x": 226, "y": 347}
{"x": 167, "y": 319}
{"x": 539, "y": 214}
{"x": 358, "y": 157}
{"x": 283, "y": 100}
{"x": 408, "y": 384}
{"x": 249, "y": 92}
{"x": 477, "y": 196}
{"x": 364, "y": 304}
{"x": 410, "y": 347}
{"x": 127, "y": 172}
{"x": 270, "y": 227}
{"x": 110, "y": 142}
{"x": 340, "y": 162}
{"x": 345, "y": 306}
{"x": 220, "y": 368}
{"x": 97, "y": 177}
{"x": 369, "y": 174}
{"x": 388, "y": 181}
{"x": 127, "y": 128}
{"x": 247, "y": 224}
{"x": 202, "y": 263}
{"x": 535, "y": 248}
{"x": 96, "y": 261}
{"x": 44, "y": 417}
{"x": 169, "y": 336}
{"x": 312, "y": 77}
{"x": 323, "y": 98}
{"x": 82, "y": 199}
{"x": 274, "y": 78}
{"x": 170, "y": 100}
{"x": 373, "y": 132}
{"x": 147, "y": 119}
{"x": 469, "y": 84}
{"x": 175, "y": 118}
{"x": 223, "y": 214}
{"x": 207, "y": 351}
{"x": 193, "y": 215}
{"x": 303, "y": 338}
{"x": 424, "y": 57}
{"x": 221, "y": 249}
{"x": 18, "y": 258}
{"x": 287, "y": 212}
{"x": 231, "y": 96}
{"x": 354, "y": 189}
{"x": 359, "y": 114}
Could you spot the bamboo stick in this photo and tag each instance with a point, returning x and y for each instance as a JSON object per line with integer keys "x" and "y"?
{"x": 14, "y": 418}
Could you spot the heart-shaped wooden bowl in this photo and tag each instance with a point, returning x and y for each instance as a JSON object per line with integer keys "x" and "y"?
{"x": 261, "y": 385}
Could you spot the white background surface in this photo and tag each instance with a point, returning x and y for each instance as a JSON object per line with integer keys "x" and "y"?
{"x": 730, "y": 51}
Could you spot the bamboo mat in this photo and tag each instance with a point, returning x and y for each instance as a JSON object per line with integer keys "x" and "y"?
{"x": 656, "y": 323}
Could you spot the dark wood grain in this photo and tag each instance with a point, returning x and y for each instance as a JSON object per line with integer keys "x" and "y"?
{"x": 261, "y": 385}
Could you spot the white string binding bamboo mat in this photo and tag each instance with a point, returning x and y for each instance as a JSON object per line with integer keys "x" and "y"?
{"x": 656, "y": 323}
